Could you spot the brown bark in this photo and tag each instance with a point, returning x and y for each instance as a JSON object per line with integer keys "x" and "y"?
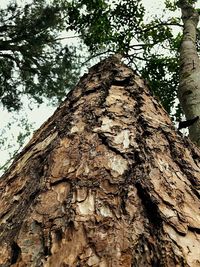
{"x": 106, "y": 181}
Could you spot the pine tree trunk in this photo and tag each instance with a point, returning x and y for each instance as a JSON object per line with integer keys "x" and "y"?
{"x": 106, "y": 181}
{"x": 189, "y": 87}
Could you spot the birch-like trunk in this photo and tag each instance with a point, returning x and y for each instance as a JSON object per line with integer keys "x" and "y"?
{"x": 105, "y": 182}
{"x": 189, "y": 88}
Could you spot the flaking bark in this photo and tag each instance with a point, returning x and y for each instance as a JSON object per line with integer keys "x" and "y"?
{"x": 106, "y": 181}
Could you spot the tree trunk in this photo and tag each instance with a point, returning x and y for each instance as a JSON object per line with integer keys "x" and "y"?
{"x": 189, "y": 87}
{"x": 106, "y": 181}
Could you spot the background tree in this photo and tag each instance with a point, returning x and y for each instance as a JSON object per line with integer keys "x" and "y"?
{"x": 33, "y": 61}
{"x": 189, "y": 87}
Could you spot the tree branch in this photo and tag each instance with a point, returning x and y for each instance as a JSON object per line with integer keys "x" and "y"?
{"x": 12, "y": 58}
{"x": 160, "y": 24}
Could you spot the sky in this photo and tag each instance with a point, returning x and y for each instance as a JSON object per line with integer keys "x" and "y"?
{"x": 38, "y": 115}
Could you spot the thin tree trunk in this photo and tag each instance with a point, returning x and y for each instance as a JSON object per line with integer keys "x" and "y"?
{"x": 106, "y": 181}
{"x": 189, "y": 88}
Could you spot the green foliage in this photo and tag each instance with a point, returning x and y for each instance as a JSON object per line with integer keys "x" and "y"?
{"x": 171, "y": 5}
{"x": 162, "y": 73}
{"x": 33, "y": 61}
{"x": 121, "y": 26}
{"x": 105, "y": 25}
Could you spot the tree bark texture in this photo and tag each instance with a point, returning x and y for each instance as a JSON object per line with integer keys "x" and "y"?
{"x": 189, "y": 87}
{"x": 106, "y": 181}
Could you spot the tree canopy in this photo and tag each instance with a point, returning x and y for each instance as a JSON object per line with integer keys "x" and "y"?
{"x": 151, "y": 46}
{"x": 35, "y": 62}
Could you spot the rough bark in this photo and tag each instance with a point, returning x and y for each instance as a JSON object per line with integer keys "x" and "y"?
{"x": 106, "y": 181}
{"x": 189, "y": 88}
